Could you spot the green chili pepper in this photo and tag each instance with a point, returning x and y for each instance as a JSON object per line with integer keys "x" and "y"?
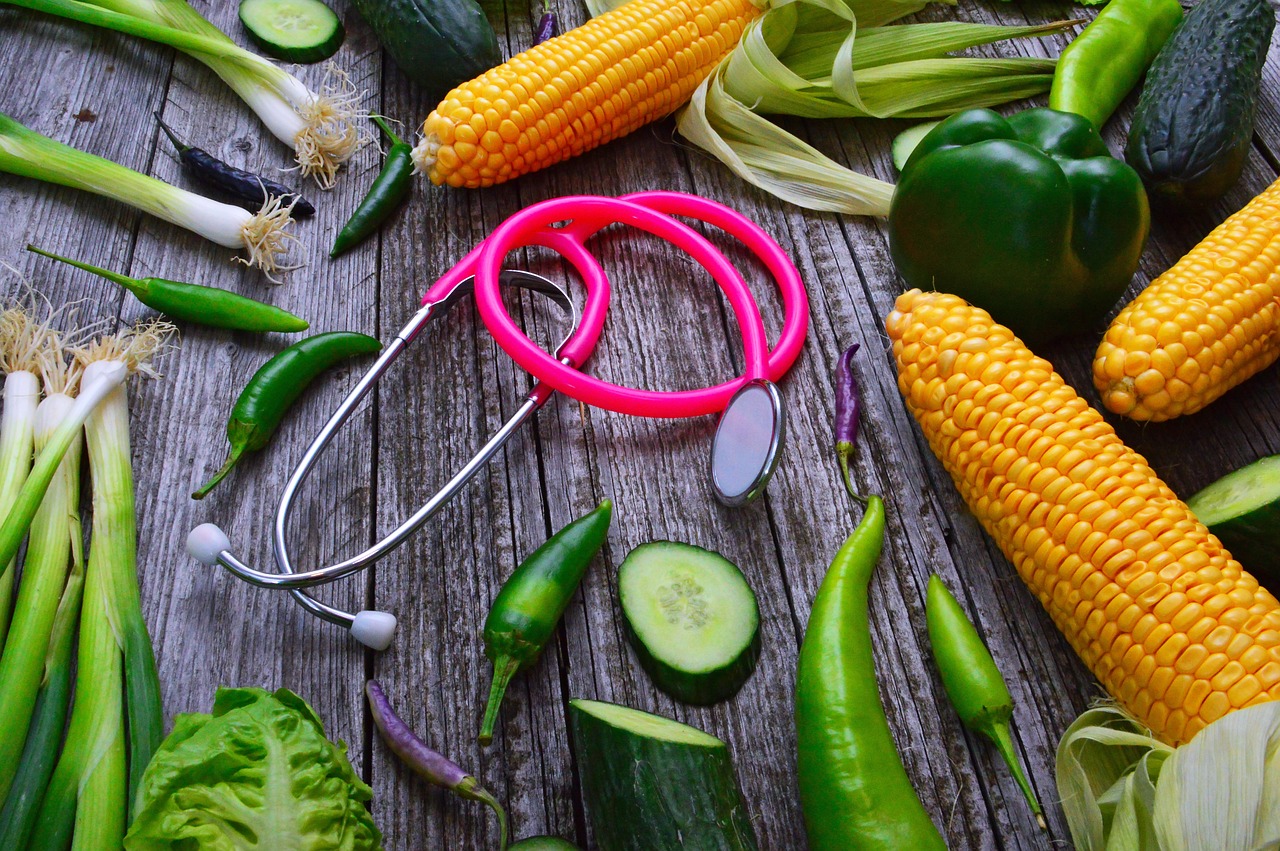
{"x": 277, "y": 383}
{"x": 192, "y": 303}
{"x": 1099, "y": 67}
{"x": 972, "y": 680}
{"x": 854, "y": 792}
{"x": 530, "y": 603}
{"x": 388, "y": 192}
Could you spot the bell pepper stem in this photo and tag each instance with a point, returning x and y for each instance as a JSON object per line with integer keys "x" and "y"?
{"x": 504, "y": 668}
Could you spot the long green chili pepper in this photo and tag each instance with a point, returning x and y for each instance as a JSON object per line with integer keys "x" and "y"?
{"x": 972, "y": 680}
{"x": 387, "y": 193}
{"x": 1099, "y": 67}
{"x": 854, "y": 792}
{"x": 530, "y": 603}
{"x": 193, "y": 303}
{"x": 274, "y": 387}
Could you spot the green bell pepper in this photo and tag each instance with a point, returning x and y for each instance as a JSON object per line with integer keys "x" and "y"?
{"x": 1028, "y": 217}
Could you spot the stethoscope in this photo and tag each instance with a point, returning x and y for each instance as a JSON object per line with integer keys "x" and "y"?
{"x": 751, "y": 428}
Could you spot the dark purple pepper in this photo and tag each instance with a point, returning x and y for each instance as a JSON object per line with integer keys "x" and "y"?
{"x": 548, "y": 27}
{"x": 848, "y": 406}
{"x": 431, "y": 765}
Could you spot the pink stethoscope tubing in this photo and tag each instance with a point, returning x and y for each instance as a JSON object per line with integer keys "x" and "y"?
{"x": 651, "y": 212}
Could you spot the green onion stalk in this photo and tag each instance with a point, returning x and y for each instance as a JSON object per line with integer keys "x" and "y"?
{"x": 117, "y": 719}
{"x": 321, "y": 127}
{"x": 262, "y": 235}
{"x": 54, "y": 545}
{"x": 21, "y": 340}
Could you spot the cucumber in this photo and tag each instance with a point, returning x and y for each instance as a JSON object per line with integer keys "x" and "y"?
{"x": 652, "y": 784}
{"x": 292, "y": 30}
{"x": 543, "y": 843}
{"x": 1243, "y": 509}
{"x": 692, "y": 619}
{"x": 1193, "y": 125}
{"x": 905, "y": 142}
{"x": 436, "y": 43}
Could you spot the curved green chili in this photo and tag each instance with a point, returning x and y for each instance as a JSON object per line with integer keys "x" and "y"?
{"x": 1104, "y": 62}
{"x": 388, "y": 192}
{"x": 530, "y": 603}
{"x": 274, "y": 387}
{"x": 854, "y": 792}
{"x": 192, "y": 303}
{"x": 972, "y": 680}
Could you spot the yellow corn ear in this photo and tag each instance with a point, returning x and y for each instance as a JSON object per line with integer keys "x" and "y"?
{"x": 1172, "y": 625}
{"x": 1202, "y": 327}
{"x": 604, "y": 79}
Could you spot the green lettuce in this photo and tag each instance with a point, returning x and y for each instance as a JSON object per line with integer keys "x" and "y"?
{"x": 256, "y": 774}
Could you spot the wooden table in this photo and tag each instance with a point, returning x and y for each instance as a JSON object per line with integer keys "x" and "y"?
{"x": 97, "y": 90}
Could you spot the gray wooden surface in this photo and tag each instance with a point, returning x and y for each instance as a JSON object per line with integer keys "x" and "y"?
{"x": 667, "y": 330}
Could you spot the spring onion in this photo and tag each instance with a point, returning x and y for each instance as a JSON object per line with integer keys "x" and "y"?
{"x": 116, "y": 719}
{"x": 54, "y": 545}
{"x": 320, "y": 127}
{"x": 837, "y": 59}
{"x": 262, "y": 235}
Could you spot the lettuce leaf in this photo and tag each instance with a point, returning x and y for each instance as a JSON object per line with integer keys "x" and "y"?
{"x": 256, "y": 774}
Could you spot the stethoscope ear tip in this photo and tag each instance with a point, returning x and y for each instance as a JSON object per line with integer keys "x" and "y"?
{"x": 206, "y": 542}
{"x": 373, "y": 629}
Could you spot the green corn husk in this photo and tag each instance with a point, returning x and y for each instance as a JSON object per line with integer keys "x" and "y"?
{"x": 837, "y": 59}
{"x": 1124, "y": 790}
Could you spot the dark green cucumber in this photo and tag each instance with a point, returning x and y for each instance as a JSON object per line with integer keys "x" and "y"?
{"x": 436, "y": 43}
{"x": 293, "y": 30}
{"x": 1193, "y": 126}
{"x": 1243, "y": 509}
{"x": 692, "y": 619}
{"x": 652, "y": 784}
{"x": 543, "y": 843}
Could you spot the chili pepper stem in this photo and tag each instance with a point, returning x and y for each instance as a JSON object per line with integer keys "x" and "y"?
{"x": 386, "y": 128}
{"x": 236, "y": 452}
{"x": 472, "y": 790}
{"x": 133, "y": 285}
{"x": 998, "y": 732}
{"x": 843, "y": 450}
{"x": 173, "y": 137}
{"x": 504, "y": 668}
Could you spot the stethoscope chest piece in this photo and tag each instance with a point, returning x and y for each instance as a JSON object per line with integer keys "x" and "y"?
{"x": 748, "y": 442}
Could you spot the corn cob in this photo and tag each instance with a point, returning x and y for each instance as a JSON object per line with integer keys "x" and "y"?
{"x": 1172, "y": 625}
{"x": 1202, "y": 327}
{"x": 602, "y": 80}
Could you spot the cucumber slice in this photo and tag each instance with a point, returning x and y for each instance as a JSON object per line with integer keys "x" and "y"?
{"x": 692, "y": 619}
{"x": 905, "y": 142}
{"x": 1243, "y": 509}
{"x": 292, "y": 30}
{"x": 651, "y": 783}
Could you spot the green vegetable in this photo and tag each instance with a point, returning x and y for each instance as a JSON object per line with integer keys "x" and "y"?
{"x": 692, "y": 619}
{"x": 22, "y": 340}
{"x": 1099, "y": 67}
{"x": 1243, "y": 509}
{"x": 191, "y": 303}
{"x": 854, "y": 792}
{"x": 543, "y": 843}
{"x": 905, "y": 142}
{"x": 387, "y": 193}
{"x": 1028, "y": 217}
{"x": 274, "y": 387}
{"x": 436, "y": 43}
{"x": 531, "y": 601}
{"x": 650, "y": 783}
{"x": 1193, "y": 127}
{"x": 292, "y": 30}
{"x": 972, "y": 680}
{"x": 257, "y": 773}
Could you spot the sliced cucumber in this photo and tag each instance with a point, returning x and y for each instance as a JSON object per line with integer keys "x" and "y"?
{"x": 293, "y": 30}
{"x": 651, "y": 783}
{"x": 692, "y": 619}
{"x": 905, "y": 142}
{"x": 1243, "y": 509}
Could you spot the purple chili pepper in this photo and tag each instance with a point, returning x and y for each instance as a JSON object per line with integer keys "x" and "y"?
{"x": 847, "y": 409}
{"x": 548, "y": 27}
{"x": 431, "y": 765}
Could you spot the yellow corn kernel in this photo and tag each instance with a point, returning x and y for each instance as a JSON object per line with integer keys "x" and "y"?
{"x": 1202, "y": 327}
{"x": 604, "y": 79}
{"x": 1175, "y": 629}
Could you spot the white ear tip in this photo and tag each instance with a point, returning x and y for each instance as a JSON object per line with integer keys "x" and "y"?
{"x": 374, "y": 629}
{"x": 206, "y": 542}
